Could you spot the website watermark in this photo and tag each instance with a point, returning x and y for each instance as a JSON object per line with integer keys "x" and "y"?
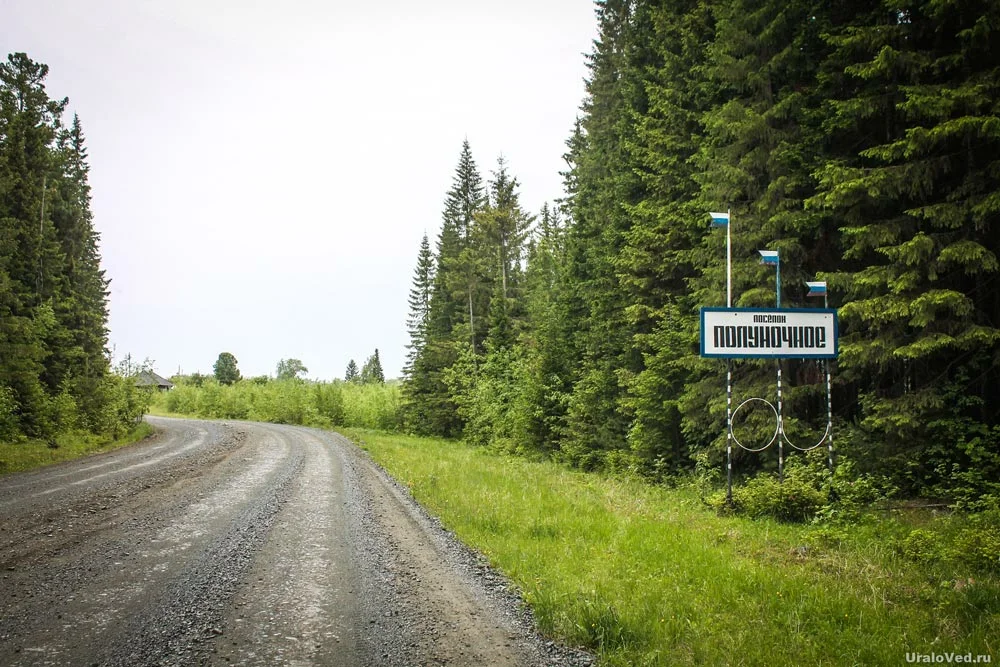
{"x": 948, "y": 658}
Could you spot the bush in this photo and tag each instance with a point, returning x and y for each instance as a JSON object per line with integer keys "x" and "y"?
{"x": 922, "y": 546}
{"x": 9, "y": 430}
{"x": 324, "y": 404}
{"x": 792, "y": 500}
{"x": 979, "y": 544}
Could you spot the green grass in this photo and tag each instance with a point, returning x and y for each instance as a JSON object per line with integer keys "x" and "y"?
{"x": 30, "y": 454}
{"x": 649, "y": 575}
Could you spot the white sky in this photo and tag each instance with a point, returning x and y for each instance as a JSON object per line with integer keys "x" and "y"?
{"x": 262, "y": 172}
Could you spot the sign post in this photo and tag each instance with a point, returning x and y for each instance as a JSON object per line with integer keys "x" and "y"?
{"x": 719, "y": 220}
{"x": 771, "y": 333}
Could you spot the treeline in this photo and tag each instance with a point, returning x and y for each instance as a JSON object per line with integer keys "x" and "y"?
{"x": 54, "y": 367}
{"x": 288, "y": 401}
{"x": 860, "y": 140}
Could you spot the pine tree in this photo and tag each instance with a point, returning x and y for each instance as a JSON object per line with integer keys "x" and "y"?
{"x": 29, "y": 257}
{"x": 371, "y": 372}
{"x": 912, "y": 178}
{"x": 420, "y": 302}
{"x": 456, "y": 305}
{"x": 502, "y": 229}
{"x": 546, "y": 358}
{"x": 658, "y": 257}
{"x": 352, "y": 372}
{"x": 604, "y": 184}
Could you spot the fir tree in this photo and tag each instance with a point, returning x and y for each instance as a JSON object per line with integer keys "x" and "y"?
{"x": 352, "y": 372}
{"x": 371, "y": 372}
{"x": 503, "y": 229}
{"x": 911, "y": 179}
{"x": 31, "y": 278}
{"x": 419, "y": 302}
{"x": 456, "y": 301}
{"x": 605, "y": 184}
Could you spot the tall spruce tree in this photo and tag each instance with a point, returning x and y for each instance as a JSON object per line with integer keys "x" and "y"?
{"x": 83, "y": 311}
{"x": 371, "y": 371}
{"x": 420, "y": 304}
{"x": 605, "y": 184}
{"x": 30, "y": 260}
{"x": 545, "y": 371}
{"x": 912, "y": 178}
{"x": 760, "y": 144}
{"x": 53, "y": 293}
{"x": 351, "y": 375}
{"x": 456, "y": 304}
{"x": 658, "y": 257}
{"x": 502, "y": 230}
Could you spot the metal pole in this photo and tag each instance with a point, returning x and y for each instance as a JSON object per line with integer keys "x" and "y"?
{"x": 781, "y": 426}
{"x": 777, "y": 283}
{"x": 829, "y": 398}
{"x": 729, "y": 372}
{"x": 781, "y": 432}
{"x": 729, "y": 259}
{"x": 729, "y": 432}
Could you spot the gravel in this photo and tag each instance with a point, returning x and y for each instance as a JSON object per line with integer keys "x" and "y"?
{"x": 242, "y": 543}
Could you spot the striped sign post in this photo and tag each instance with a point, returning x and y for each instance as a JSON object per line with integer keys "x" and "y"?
{"x": 784, "y": 333}
{"x": 818, "y": 289}
{"x": 724, "y": 220}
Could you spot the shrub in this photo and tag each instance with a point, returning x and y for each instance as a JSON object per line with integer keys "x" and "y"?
{"x": 792, "y": 500}
{"x": 9, "y": 430}
{"x": 979, "y": 544}
{"x": 921, "y": 545}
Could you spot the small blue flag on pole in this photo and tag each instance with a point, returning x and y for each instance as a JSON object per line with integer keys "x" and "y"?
{"x": 816, "y": 288}
{"x": 768, "y": 256}
{"x": 719, "y": 219}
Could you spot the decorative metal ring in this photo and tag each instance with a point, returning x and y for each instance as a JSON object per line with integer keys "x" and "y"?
{"x": 777, "y": 424}
{"x": 829, "y": 427}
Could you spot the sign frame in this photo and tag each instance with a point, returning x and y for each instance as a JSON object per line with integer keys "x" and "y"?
{"x": 784, "y": 353}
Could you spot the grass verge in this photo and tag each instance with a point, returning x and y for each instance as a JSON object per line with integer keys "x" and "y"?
{"x": 649, "y": 576}
{"x": 30, "y": 454}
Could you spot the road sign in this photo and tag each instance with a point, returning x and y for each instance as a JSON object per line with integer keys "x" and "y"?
{"x": 769, "y": 333}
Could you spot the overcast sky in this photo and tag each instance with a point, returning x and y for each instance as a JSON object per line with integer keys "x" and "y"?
{"x": 262, "y": 172}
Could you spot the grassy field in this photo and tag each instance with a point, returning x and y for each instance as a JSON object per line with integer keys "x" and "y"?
{"x": 21, "y": 456}
{"x": 649, "y": 575}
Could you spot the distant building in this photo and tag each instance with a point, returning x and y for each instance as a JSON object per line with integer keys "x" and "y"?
{"x": 151, "y": 379}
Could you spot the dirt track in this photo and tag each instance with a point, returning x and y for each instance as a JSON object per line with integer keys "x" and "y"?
{"x": 238, "y": 543}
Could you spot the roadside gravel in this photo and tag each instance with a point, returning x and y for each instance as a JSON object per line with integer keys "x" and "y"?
{"x": 242, "y": 543}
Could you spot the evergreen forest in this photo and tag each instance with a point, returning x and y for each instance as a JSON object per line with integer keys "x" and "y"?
{"x": 55, "y": 375}
{"x": 860, "y": 140}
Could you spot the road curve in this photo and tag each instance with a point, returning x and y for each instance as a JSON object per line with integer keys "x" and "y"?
{"x": 221, "y": 543}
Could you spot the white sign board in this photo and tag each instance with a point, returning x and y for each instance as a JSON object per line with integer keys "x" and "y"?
{"x": 769, "y": 333}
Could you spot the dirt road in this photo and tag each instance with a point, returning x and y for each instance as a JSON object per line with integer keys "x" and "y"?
{"x": 236, "y": 543}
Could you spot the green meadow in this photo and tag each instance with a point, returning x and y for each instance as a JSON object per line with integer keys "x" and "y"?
{"x": 649, "y": 575}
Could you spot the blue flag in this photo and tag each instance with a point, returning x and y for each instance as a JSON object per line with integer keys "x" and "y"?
{"x": 719, "y": 219}
{"x": 816, "y": 288}
{"x": 768, "y": 256}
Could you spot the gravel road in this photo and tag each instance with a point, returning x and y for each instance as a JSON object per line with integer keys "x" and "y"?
{"x": 223, "y": 543}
